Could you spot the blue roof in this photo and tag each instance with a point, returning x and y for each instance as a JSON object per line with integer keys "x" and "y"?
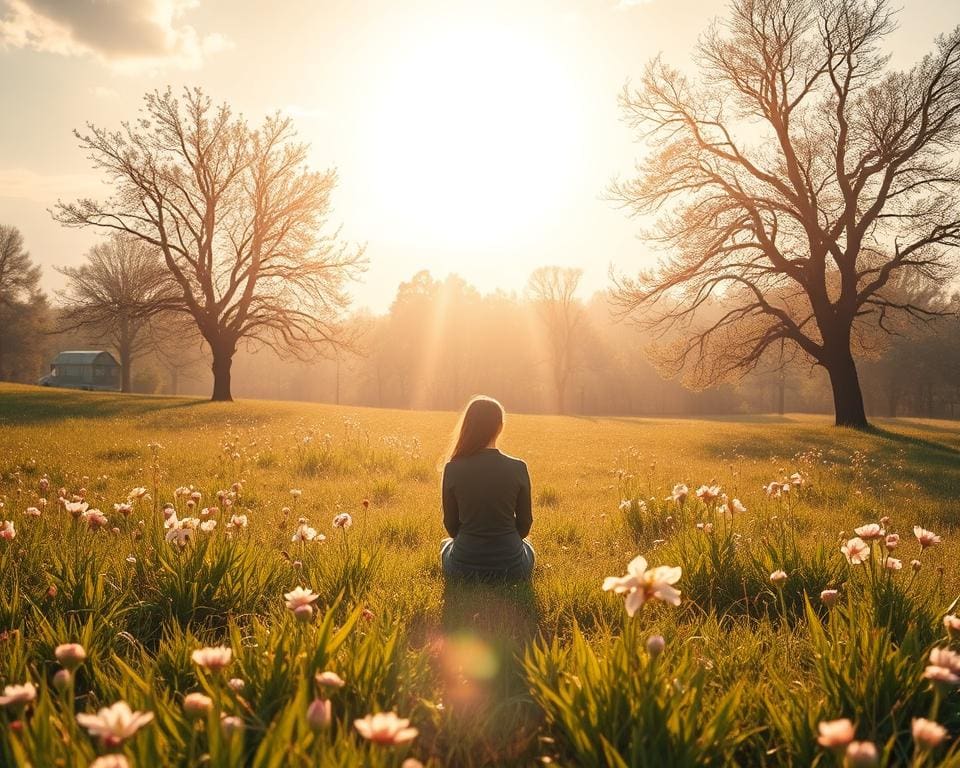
{"x": 85, "y": 357}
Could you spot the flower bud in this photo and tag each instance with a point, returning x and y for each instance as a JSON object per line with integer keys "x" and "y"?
{"x": 196, "y": 705}
{"x": 236, "y": 684}
{"x": 778, "y": 579}
{"x": 655, "y": 645}
{"x": 829, "y": 597}
{"x": 303, "y": 612}
{"x": 62, "y": 679}
{"x": 319, "y": 714}
{"x": 70, "y": 655}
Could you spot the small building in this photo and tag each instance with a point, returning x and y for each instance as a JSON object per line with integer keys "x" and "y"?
{"x": 84, "y": 369}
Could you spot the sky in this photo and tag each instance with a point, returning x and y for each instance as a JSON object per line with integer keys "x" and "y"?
{"x": 469, "y": 137}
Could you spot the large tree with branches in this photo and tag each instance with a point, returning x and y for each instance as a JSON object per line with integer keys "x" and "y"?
{"x": 238, "y": 218}
{"x": 796, "y": 182}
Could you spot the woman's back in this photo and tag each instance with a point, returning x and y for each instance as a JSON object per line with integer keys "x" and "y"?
{"x": 487, "y": 510}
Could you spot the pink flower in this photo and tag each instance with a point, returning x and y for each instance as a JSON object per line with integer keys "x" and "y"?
{"x": 124, "y": 508}
{"x": 856, "y": 550}
{"x": 213, "y": 658}
{"x": 925, "y": 537}
{"x": 680, "y": 493}
{"x": 829, "y": 597}
{"x": 707, "y": 493}
{"x": 860, "y": 754}
{"x": 892, "y": 564}
{"x": 70, "y": 655}
{"x": 328, "y": 680}
{"x": 778, "y": 579}
{"x": 18, "y": 694}
{"x": 305, "y": 533}
{"x": 641, "y": 585}
{"x": 7, "y": 530}
{"x": 319, "y": 714}
{"x": 343, "y": 520}
{"x": 927, "y": 733}
{"x": 385, "y": 728}
{"x": 114, "y": 724}
{"x": 32, "y": 512}
{"x": 952, "y": 624}
{"x": 94, "y": 518}
{"x": 115, "y": 760}
{"x": 870, "y": 532}
{"x": 835, "y": 734}
{"x": 892, "y": 542}
{"x": 196, "y": 705}
{"x": 299, "y": 600}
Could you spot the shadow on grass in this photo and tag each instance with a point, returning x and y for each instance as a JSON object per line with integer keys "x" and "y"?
{"x": 37, "y": 405}
{"x": 486, "y": 628}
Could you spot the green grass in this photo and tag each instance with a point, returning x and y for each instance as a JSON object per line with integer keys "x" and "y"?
{"x": 490, "y": 675}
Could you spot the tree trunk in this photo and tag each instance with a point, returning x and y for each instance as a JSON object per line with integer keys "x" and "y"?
{"x": 125, "y": 368}
{"x": 222, "y": 360}
{"x": 781, "y": 393}
{"x": 847, "y": 396}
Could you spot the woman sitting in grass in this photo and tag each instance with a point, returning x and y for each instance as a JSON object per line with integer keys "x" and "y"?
{"x": 486, "y": 501}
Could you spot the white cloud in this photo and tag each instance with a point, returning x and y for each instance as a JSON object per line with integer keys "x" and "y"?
{"x": 128, "y": 35}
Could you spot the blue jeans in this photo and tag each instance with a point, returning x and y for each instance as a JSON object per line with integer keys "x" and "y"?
{"x": 453, "y": 569}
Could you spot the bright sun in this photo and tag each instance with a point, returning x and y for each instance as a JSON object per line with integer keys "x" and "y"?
{"x": 477, "y": 134}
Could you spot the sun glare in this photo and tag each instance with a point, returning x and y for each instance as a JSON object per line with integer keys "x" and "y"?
{"x": 476, "y": 137}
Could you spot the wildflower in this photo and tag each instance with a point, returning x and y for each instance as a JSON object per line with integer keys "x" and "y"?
{"x": 114, "y": 760}
{"x": 737, "y": 506}
{"x": 870, "y": 532}
{"x": 679, "y": 494}
{"x": 18, "y": 694}
{"x": 778, "y": 579}
{"x": 343, "y": 520}
{"x": 925, "y": 537}
{"x": 952, "y": 624}
{"x": 32, "y": 512}
{"x": 927, "y": 734}
{"x": 944, "y": 668}
{"x": 237, "y": 522}
{"x": 196, "y": 705}
{"x": 860, "y": 754}
{"x": 856, "y": 550}
{"x": 115, "y": 724}
{"x": 44, "y": 484}
{"x": 75, "y": 508}
{"x": 319, "y": 714}
{"x": 231, "y": 724}
{"x": 707, "y": 493}
{"x": 181, "y": 532}
{"x": 296, "y": 493}
{"x": 915, "y": 566}
{"x": 94, "y": 518}
{"x": 892, "y": 564}
{"x": 891, "y": 542}
{"x": 797, "y": 479}
{"x": 835, "y": 734}
{"x": 62, "y": 679}
{"x": 7, "y": 530}
{"x": 208, "y": 525}
{"x": 773, "y": 490}
{"x": 641, "y": 585}
{"x": 829, "y": 597}
{"x": 655, "y": 645}
{"x": 137, "y": 493}
{"x": 305, "y": 533}
{"x": 124, "y": 508}
{"x": 70, "y": 655}
{"x": 385, "y": 728}
{"x": 300, "y": 600}
{"x": 328, "y": 680}
{"x": 236, "y": 684}
{"x": 213, "y": 658}
{"x": 411, "y": 762}
{"x": 625, "y": 505}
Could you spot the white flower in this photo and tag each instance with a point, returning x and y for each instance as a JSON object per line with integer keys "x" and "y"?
{"x": 835, "y": 734}
{"x": 328, "y": 680}
{"x": 305, "y": 533}
{"x": 114, "y": 760}
{"x": 237, "y": 522}
{"x": 679, "y": 494}
{"x": 708, "y": 492}
{"x": 778, "y": 578}
{"x": 18, "y": 694}
{"x": 137, "y": 493}
{"x": 94, "y": 519}
{"x": 385, "y": 728}
{"x": 8, "y": 531}
{"x": 75, "y": 508}
{"x": 343, "y": 520}
{"x": 625, "y": 505}
{"x": 641, "y": 585}
{"x": 299, "y": 600}
{"x": 124, "y": 508}
{"x": 32, "y": 512}
{"x": 208, "y": 525}
{"x": 927, "y": 733}
{"x": 114, "y": 724}
{"x": 892, "y": 564}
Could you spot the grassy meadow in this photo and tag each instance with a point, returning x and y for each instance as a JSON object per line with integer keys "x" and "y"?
{"x": 500, "y": 675}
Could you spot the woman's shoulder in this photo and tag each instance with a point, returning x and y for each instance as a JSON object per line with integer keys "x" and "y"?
{"x": 515, "y": 460}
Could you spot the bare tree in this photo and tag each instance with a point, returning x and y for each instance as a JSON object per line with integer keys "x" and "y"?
{"x": 552, "y": 291}
{"x": 238, "y": 218}
{"x": 19, "y": 280}
{"x": 795, "y": 181}
{"x": 122, "y": 290}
